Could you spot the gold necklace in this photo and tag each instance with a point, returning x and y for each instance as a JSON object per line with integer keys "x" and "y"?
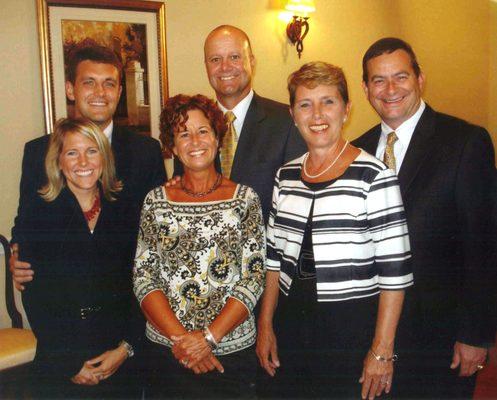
{"x": 201, "y": 194}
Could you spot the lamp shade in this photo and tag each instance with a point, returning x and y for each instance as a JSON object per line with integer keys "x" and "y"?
{"x": 300, "y": 6}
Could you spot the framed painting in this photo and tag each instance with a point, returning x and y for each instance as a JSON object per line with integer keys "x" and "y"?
{"x": 134, "y": 29}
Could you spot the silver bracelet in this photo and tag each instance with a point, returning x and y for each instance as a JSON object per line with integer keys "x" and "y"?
{"x": 129, "y": 349}
{"x": 394, "y": 358}
{"x": 210, "y": 339}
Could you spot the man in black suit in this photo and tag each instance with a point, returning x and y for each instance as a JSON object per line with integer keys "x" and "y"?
{"x": 446, "y": 174}
{"x": 94, "y": 84}
{"x": 266, "y": 135}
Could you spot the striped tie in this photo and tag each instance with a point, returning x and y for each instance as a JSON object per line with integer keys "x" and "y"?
{"x": 389, "y": 156}
{"x": 229, "y": 145}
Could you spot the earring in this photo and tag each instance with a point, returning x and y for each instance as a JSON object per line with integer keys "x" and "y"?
{"x": 296, "y": 124}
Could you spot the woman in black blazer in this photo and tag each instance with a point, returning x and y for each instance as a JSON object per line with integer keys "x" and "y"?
{"x": 79, "y": 241}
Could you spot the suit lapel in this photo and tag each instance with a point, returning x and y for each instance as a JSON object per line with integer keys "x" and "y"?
{"x": 370, "y": 142}
{"x": 255, "y": 114}
{"x": 421, "y": 146}
{"x": 121, "y": 150}
{"x": 117, "y": 147}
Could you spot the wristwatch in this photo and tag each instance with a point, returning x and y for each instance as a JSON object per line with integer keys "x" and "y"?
{"x": 128, "y": 347}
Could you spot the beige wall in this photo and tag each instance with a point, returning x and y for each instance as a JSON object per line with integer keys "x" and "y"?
{"x": 451, "y": 38}
{"x": 21, "y": 114}
{"x": 492, "y": 72}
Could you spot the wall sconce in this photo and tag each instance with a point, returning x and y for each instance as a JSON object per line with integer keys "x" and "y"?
{"x": 297, "y": 29}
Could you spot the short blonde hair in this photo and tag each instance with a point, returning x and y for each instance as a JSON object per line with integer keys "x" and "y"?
{"x": 55, "y": 177}
{"x": 317, "y": 73}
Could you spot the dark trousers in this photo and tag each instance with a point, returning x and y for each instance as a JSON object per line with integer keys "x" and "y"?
{"x": 321, "y": 346}
{"x": 167, "y": 379}
{"x": 425, "y": 374}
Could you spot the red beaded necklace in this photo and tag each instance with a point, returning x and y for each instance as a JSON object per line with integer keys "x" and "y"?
{"x": 95, "y": 208}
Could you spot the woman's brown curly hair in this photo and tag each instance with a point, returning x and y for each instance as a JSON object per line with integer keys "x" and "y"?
{"x": 174, "y": 116}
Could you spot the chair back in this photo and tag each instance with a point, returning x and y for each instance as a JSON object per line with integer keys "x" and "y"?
{"x": 14, "y": 314}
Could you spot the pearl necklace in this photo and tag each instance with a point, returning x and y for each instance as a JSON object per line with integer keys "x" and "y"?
{"x": 201, "y": 194}
{"x": 327, "y": 168}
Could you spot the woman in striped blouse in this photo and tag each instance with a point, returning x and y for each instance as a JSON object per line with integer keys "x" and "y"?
{"x": 338, "y": 249}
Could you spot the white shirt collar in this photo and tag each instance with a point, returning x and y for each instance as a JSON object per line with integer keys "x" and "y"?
{"x": 108, "y": 131}
{"x": 404, "y": 133}
{"x": 240, "y": 111}
{"x": 405, "y": 130}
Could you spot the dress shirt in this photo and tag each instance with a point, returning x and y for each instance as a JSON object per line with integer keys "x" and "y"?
{"x": 108, "y": 131}
{"x": 404, "y": 133}
{"x": 240, "y": 111}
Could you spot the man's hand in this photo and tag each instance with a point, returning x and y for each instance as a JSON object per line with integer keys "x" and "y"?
{"x": 21, "y": 271}
{"x": 267, "y": 349}
{"x": 173, "y": 181}
{"x": 468, "y": 358}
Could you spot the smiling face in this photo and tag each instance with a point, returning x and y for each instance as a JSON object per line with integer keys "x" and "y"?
{"x": 196, "y": 145}
{"x": 95, "y": 92}
{"x": 319, "y": 114}
{"x": 229, "y": 63}
{"x": 393, "y": 89}
{"x": 81, "y": 163}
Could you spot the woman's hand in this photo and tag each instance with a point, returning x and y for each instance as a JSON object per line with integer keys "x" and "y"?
{"x": 85, "y": 376}
{"x": 190, "y": 347}
{"x": 108, "y": 363}
{"x": 376, "y": 377}
{"x": 267, "y": 349}
{"x": 207, "y": 364}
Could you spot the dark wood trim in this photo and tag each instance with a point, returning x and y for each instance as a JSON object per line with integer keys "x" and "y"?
{"x": 131, "y": 5}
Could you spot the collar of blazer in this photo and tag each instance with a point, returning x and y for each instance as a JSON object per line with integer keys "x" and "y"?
{"x": 423, "y": 144}
{"x": 255, "y": 114}
{"x": 121, "y": 148}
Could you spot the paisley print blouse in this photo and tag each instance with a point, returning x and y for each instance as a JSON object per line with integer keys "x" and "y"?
{"x": 199, "y": 255}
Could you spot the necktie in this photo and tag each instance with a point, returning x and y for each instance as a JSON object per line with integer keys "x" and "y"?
{"x": 229, "y": 145}
{"x": 389, "y": 156}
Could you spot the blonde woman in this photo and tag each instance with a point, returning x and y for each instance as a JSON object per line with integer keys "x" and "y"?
{"x": 79, "y": 240}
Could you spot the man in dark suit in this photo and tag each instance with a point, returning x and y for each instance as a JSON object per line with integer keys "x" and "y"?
{"x": 94, "y": 84}
{"x": 446, "y": 174}
{"x": 266, "y": 137}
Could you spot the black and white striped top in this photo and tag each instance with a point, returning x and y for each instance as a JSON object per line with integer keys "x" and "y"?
{"x": 359, "y": 230}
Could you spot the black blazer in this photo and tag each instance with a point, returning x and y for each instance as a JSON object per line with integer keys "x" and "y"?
{"x": 446, "y": 181}
{"x": 138, "y": 159}
{"x": 268, "y": 140}
{"x": 74, "y": 270}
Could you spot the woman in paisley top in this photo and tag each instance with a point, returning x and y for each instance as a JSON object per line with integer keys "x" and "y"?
{"x": 199, "y": 267}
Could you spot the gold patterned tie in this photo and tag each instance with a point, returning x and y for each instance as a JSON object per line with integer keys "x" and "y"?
{"x": 229, "y": 145}
{"x": 389, "y": 156}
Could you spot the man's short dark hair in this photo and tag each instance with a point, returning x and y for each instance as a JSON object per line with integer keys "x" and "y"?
{"x": 95, "y": 53}
{"x": 386, "y": 46}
